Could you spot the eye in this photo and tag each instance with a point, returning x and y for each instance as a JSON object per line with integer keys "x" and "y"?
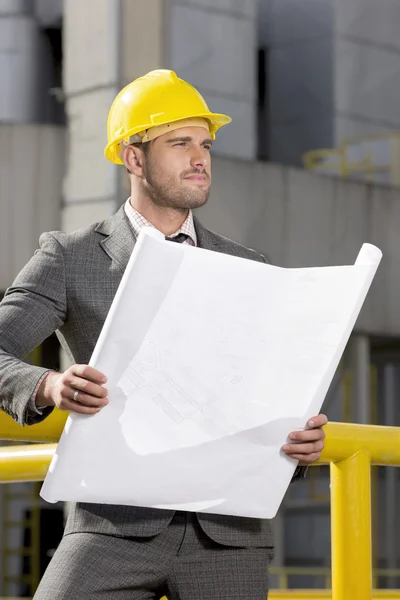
{"x": 180, "y": 144}
{"x": 208, "y": 147}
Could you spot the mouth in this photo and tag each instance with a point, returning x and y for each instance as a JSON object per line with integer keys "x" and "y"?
{"x": 197, "y": 178}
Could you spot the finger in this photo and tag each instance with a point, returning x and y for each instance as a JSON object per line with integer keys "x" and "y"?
{"x": 308, "y": 435}
{"x": 89, "y": 373}
{"x": 83, "y": 385}
{"x": 303, "y": 449}
{"x": 306, "y": 460}
{"x": 76, "y": 407}
{"x": 86, "y": 399}
{"x": 318, "y": 421}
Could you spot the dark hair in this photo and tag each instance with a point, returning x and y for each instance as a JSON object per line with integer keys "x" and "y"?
{"x": 143, "y": 146}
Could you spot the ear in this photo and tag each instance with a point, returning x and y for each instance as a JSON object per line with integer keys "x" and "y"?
{"x": 133, "y": 159}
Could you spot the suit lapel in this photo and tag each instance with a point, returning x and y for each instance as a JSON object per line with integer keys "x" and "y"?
{"x": 205, "y": 238}
{"x": 120, "y": 238}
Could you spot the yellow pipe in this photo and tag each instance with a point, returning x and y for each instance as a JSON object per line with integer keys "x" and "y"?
{"x": 48, "y": 430}
{"x": 342, "y": 439}
{"x": 350, "y": 484}
{"x": 25, "y": 463}
{"x": 324, "y": 594}
{"x": 351, "y": 528}
{"x": 345, "y": 439}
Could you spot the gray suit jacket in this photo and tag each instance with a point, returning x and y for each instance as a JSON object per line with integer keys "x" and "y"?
{"x": 68, "y": 286}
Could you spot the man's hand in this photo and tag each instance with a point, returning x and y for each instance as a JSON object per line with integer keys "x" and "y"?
{"x": 80, "y": 389}
{"x": 308, "y": 443}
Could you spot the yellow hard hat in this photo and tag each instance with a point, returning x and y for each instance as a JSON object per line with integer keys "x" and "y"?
{"x": 157, "y": 98}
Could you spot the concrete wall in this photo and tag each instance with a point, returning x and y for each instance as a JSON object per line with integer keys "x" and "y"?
{"x": 367, "y": 48}
{"x": 213, "y": 45}
{"x": 333, "y": 72}
{"x": 31, "y": 171}
{"x": 298, "y": 219}
{"x": 90, "y": 82}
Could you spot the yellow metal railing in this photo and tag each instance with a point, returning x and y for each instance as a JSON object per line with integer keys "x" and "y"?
{"x": 283, "y": 574}
{"x": 350, "y": 450}
{"x": 374, "y": 157}
{"x": 324, "y": 594}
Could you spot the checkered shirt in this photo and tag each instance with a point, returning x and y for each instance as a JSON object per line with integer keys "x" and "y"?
{"x": 138, "y": 221}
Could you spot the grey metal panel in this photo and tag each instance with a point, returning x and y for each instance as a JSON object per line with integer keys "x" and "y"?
{"x": 31, "y": 172}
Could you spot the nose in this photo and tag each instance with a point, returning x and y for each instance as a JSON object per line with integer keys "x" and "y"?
{"x": 200, "y": 158}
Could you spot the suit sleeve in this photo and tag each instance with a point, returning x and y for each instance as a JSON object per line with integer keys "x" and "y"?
{"x": 32, "y": 309}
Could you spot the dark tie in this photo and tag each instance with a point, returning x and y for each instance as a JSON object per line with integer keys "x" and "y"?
{"x": 179, "y": 239}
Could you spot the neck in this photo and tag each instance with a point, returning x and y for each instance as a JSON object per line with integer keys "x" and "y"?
{"x": 167, "y": 220}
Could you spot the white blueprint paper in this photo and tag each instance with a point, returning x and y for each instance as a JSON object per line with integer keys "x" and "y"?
{"x": 212, "y": 361}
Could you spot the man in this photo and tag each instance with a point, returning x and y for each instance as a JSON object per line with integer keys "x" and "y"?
{"x": 161, "y": 129}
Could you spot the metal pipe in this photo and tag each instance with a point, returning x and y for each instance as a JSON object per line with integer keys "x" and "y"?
{"x": 25, "y": 463}
{"x": 353, "y": 447}
{"x": 324, "y": 594}
{"x": 48, "y": 430}
{"x": 342, "y": 439}
{"x": 351, "y": 528}
{"x": 345, "y": 439}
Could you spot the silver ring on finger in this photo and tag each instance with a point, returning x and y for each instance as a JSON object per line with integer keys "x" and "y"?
{"x": 75, "y": 396}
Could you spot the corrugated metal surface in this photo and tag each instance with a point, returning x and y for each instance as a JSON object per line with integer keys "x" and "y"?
{"x": 32, "y": 159}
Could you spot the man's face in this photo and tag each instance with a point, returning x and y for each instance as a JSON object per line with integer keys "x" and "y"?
{"x": 177, "y": 168}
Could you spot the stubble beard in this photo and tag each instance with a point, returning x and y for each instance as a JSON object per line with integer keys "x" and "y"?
{"x": 166, "y": 193}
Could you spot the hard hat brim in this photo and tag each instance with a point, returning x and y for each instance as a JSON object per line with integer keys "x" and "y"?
{"x": 217, "y": 120}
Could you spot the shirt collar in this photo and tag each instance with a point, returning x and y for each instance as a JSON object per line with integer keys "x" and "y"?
{"x": 138, "y": 221}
